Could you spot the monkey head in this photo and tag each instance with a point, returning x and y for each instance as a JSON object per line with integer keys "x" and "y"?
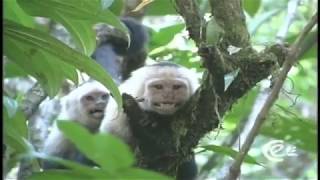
{"x": 162, "y": 87}
{"x": 94, "y": 104}
{"x": 165, "y": 96}
{"x": 86, "y": 104}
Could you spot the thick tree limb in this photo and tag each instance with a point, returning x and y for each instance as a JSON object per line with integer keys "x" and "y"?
{"x": 189, "y": 10}
{"x": 33, "y": 98}
{"x": 229, "y": 15}
{"x": 290, "y": 60}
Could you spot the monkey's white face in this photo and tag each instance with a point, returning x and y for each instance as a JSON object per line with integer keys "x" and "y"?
{"x": 94, "y": 104}
{"x": 165, "y": 96}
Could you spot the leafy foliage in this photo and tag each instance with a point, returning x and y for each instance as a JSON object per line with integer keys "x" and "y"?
{"x": 41, "y": 48}
{"x": 13, "y": 12}
{"x": 110, "y": 153}
{"x": 160, "y": 7}
{"x": 164, "y": 35}
{"x": 15, "y": 133}
{"x": 229, "y": 152}
{"x": 77, "y": 17}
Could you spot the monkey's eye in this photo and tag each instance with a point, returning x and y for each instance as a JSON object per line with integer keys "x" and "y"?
{"x": 104, "y": 96}
{"x": 177, "y": 86}
{"x": 158, "y": 86}
{"x": 89, "y": 98}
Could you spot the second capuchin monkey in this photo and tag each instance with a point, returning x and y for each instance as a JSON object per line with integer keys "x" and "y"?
{"x": 85, "y": 105}
{"x": 162, "y": 88}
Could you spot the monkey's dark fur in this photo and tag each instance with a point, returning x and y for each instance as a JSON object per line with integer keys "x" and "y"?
{"x": 119, "y": 60}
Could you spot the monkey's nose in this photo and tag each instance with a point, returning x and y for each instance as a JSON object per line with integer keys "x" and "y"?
{"x": 168, "y": 96}
{"x": 101, "y": 105}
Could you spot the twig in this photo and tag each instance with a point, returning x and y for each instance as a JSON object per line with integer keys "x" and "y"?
{"x": 290, "y": 60}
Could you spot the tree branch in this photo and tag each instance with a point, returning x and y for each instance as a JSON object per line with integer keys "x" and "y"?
{"x": 189, "y": 10}
{"x": 290, "y": 60}
{"x": 229, "y": 15}
{"x": 33, "y": 98}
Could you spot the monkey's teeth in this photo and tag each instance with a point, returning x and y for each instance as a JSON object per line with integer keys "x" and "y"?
{"x": 166, "y": 105}
{"x": 97, "y": 111}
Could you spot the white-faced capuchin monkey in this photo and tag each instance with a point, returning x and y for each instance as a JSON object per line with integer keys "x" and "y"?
{"x": 114, "y": 55}
{"x": 85, "y": 105}
{"x": 162, "y": 88}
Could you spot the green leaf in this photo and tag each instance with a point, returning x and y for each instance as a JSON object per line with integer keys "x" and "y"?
{"x": 185, "y": 58}
{"x": 81, "y": 31}
{"x": 70, "y": 12}
{"x": 13, "y": 70}
{"x": 13, "y": 12}
{"x": 73, "y": 166}
{"x": 251, "y": 6}
{"x": 13, "y": 138}
{"x": 160, "y": 7}
{"x": 18, "y": 122}
{"x": 58, "y": 174}
{"x": 78, "y": 171}
{"x": 37, "y": 41}
{"x": 14, "y": 119}
{"x": 75, "y": 170}
{"x": 165, "y": 35}
{"x": 50, "y": 78}
{"x": 229, "y": 152}
{"x": 96, "y": 146}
